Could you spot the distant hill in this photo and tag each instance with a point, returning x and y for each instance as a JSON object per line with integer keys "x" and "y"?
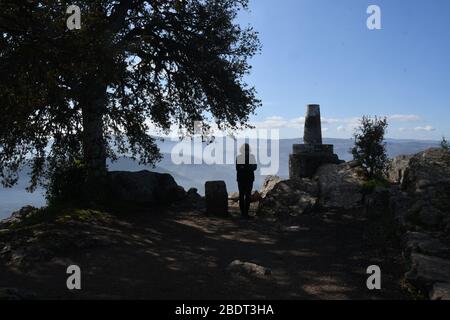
{"x": 196, "y": 175}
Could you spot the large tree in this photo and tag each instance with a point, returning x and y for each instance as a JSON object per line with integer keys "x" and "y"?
{"x": 92, "y": 93}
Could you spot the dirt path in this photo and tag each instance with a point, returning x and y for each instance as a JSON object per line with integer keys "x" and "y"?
{"x": 185, "y": 256}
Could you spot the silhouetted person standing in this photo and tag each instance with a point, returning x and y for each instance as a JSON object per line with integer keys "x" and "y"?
{"x": 245, "y": 167}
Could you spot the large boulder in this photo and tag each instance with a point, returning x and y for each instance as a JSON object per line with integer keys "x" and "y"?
{"x": 144, "y": 188}
{"x": 290, "y": 198}
{"x": 341, "y": 186}
{"x": 216, "y": 198}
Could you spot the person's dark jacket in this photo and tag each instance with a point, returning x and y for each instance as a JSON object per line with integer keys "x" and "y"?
{"x": 246, "y": 168}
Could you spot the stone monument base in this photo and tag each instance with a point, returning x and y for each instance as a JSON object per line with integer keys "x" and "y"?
{"x": 307, "y": 158}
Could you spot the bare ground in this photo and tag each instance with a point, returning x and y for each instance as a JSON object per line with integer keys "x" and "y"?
{"x": 185, "y": 256}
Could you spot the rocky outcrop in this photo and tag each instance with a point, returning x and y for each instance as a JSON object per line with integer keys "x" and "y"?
{"x": 423, "y": 200}
{"x": 398, "y": 168}
{"x": 144, "y": 188}
{"x": 421, "y": 205}
{"x": 341, "y": 186}
{"x": 289, "y": 198}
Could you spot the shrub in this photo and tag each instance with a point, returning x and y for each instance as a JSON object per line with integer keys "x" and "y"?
{"x": 370, "y": 149}
{"x": 66, "y": 183}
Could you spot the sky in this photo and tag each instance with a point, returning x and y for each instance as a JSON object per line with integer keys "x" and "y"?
{"x": 321, "y": 52}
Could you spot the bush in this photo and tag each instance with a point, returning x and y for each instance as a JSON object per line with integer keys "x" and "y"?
{"x": 370, "y": 149}
{"x": 66, "y": 184}
{"x": 444, "y": 144}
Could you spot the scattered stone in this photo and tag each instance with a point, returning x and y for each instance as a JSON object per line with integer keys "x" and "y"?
{"x": 249, "y": 269}
{"x": 216, "y": 198}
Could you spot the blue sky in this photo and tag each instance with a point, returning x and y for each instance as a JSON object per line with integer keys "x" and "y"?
{"x": 321, "y": 51}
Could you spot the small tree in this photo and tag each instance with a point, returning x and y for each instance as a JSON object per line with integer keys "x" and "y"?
{"x": 370, "y": 148}
{"x": 444, "y": 144}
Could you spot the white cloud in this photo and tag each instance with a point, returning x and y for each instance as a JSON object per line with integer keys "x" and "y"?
{"x": 331, "y": 120}
{"x": 341, "y": 128}
{"x": 271, "y": 123}
{"x": 404, "y": 117}
{"x": 425, "y": 128}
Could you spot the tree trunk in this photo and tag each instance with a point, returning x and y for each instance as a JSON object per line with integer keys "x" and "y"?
{"x": 94, "y": 145}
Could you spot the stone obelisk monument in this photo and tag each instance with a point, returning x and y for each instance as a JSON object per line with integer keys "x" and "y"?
{"x": 308, "y": 157}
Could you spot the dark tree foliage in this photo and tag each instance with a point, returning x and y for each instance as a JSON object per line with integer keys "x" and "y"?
{"x": 92, "y": 93}
{"x": 370, "y": 148}
{"x": 444, "y": 143}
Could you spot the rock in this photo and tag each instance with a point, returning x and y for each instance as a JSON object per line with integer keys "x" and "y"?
{"x": 234, "y": 197}
{"x": 377, "y": 202}
{"x": 144, "y": 188}
{"x": 192, "y": 195}
{"x": 429, "y": 177}
{"x": 340, "y": 187}
{"x": 216, "y": 198}
{"x": 269, "y": 183}
{"x": 256, "y": 197}
{"x": 441, "y": 291}
{"x": 426, "y": 183}
{"x": 427, "y": 271}
{"x": 290, "y": 198}
{"x": 417, "y": 242}
{"x": 20, "y": 215}
{"x": 397, "y": 169}
{"x": 430, "y": 217}
{"x": 248, "y": 269}
{"x": 193, "y": 200}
